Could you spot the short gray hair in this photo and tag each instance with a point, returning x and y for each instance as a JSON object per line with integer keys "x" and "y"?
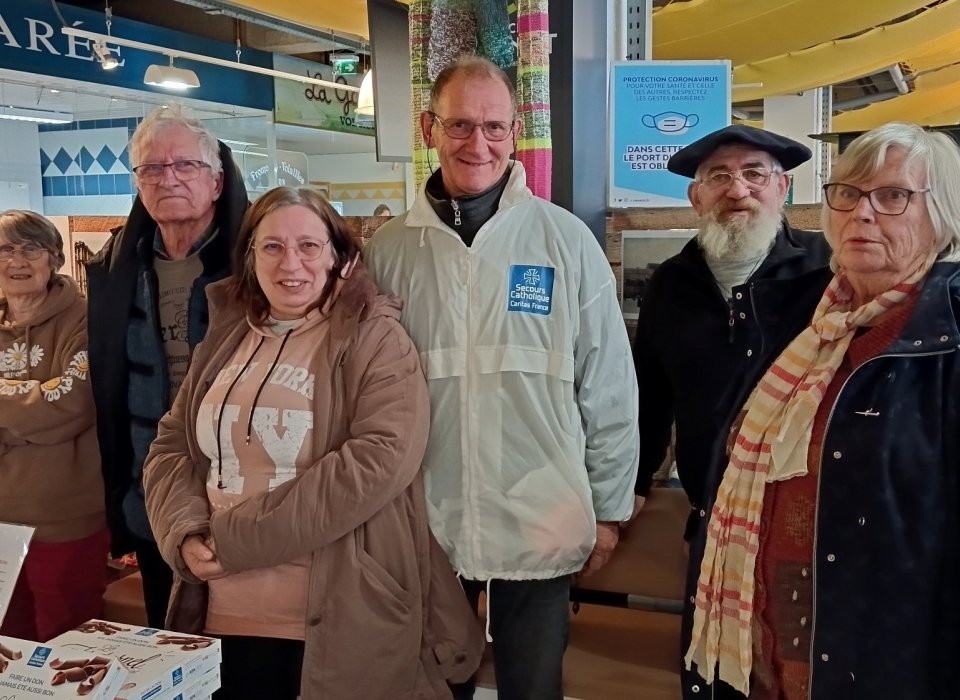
{"x": 21, "y": 226}
{"x": 174, "y": 115}
{"x": 469, "y": 66}
{"x": 939, "y": 158}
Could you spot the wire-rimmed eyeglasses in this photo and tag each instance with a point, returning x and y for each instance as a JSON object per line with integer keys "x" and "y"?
{"x": 464, "y": 128}
{"x": 307, "y": 249}
{"x": 891, "y": 201}
{"x": 29, "y": 251}
{"x": 754, "y": 179}
{"x": 183, "y": 170}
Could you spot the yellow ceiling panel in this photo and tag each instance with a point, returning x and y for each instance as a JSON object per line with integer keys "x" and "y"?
{"x": 935, "y": 102}
{"x": 749, "y": 31}
{"x": 846, "y": 59}
{"x": 931, "y": 55}
{"x": 339, "y": 16}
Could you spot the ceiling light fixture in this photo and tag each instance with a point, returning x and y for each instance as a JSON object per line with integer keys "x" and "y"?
{"x": 365, "y": 99}
{"x": 200, "y": 58}
{"x": 171, "y": 77}
{"x": 40, "y": 116}
{"x": 107, "y": 60}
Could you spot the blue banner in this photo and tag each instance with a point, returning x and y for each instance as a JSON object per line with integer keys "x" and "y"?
{"x": 31, "y": 41}
{"x": 657, "y": 108}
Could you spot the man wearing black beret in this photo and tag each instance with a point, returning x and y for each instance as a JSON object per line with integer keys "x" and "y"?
{"x": 716, "y": 315}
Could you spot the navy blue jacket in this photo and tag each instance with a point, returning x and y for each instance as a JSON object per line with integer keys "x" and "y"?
{"x": 886, "y": 621}
{"x": 698, "y": 356}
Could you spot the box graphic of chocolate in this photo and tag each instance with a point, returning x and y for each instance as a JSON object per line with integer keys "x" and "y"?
{"x": 157, "y": 662}
{"x": 201, "y": 690}
{"x": 29, "y": 669}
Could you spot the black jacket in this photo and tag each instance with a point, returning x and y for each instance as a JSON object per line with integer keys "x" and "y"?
{"x": 886, "y": 618}
{"x": 111, "y": 283}
{"x": 698, "y": 356}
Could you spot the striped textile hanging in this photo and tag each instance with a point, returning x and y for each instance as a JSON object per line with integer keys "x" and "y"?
{"x": 534, "y": 147}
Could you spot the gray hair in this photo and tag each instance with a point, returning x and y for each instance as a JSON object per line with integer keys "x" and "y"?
{"x": 21, "y": 226}
{"x": 939, "y": 159}
{"x": 469, "y": 66}
{"x": 174, "y": 115}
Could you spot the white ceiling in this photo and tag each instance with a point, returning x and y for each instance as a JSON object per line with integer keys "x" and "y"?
{"x": 88, "y": 101}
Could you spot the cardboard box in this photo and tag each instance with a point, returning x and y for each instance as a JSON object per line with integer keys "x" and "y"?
{"x": 201, "y": 690}
{"x": 156, "y": 661}
{"x": 30, "y": 669}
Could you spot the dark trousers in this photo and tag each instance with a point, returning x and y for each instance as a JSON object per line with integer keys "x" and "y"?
{"x": 529, "y": 623}
{"x": 277, "y": 664}
{"x": 157, "y": 581}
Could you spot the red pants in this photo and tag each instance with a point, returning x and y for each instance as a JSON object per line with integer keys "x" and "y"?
{"x": 60, "y": 586}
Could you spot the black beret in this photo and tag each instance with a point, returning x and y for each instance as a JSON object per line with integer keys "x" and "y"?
{"x": 788, "y": 152}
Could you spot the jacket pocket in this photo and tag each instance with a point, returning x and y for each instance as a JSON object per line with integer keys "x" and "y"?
{"x": 380, "y": 580}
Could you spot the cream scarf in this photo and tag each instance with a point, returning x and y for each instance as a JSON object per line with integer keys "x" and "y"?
{"x": 771, "y": 446}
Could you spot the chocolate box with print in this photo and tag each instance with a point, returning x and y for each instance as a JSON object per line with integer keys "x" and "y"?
{"x": 30, "y": 669}
{"x": 203, "y": 689}
{"x": 156, "y": 661}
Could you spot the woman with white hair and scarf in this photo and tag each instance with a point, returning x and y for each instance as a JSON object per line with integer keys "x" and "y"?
{"x": 832, "y": 552}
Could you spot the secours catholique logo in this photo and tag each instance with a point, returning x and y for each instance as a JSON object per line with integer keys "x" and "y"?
{"x": 531, "y": 289}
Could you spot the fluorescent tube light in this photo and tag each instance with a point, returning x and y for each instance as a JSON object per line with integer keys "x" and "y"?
{"x": 41, "y": 116}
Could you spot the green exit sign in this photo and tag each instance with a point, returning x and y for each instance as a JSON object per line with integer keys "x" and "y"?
{"x": 345, "y": 65}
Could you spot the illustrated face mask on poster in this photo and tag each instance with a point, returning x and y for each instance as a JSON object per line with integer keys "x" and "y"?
{"x": 14, "y": 542}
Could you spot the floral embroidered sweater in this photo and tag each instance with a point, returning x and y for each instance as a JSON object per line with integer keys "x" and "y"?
{"x": 49, "y": 459}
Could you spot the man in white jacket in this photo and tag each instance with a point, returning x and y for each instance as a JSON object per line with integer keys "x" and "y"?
{"x": 533, "y": 445}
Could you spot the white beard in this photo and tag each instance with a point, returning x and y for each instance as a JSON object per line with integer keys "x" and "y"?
{"x": 737, "y": 241}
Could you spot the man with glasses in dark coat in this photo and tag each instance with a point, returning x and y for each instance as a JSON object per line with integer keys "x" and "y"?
{"x": 148, "y": 311}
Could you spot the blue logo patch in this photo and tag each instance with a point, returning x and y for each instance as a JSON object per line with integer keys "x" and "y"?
{"x": 39, "y": 657}
{"x": 531, "y": 289}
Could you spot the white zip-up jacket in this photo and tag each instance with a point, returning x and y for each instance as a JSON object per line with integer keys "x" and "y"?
{"x": 533, "y": 433}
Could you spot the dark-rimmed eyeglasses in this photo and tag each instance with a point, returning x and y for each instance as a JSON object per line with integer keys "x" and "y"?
{"x": 891, "y": 201}
{"x": 183, "y": 170}
{"x": 307, "y": 249}
{"x": 463, "y": 128}
{"x": 754, "y": 179}
{"x": 29, "y": 251}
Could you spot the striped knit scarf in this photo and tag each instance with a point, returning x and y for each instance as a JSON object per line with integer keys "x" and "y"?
{"x": 771, "y": 446}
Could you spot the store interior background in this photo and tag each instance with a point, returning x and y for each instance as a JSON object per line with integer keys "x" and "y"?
{"x": 81, "y": 168}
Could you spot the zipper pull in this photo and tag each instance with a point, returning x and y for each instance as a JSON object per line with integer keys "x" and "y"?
{"x": 456, "y": 212}
{"x": 730, "y": 323}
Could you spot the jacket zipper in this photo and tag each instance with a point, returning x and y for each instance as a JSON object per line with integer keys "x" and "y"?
{"x": 467, "y": 437}
{"x": 456, "y": 212}
{"x": 816, "y": 509}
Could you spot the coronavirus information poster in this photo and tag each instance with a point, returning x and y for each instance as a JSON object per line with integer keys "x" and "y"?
{"x": 657, "y": 108}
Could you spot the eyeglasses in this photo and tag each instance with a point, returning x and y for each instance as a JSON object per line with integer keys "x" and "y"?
{"x": 755, "y": 179}
{"x": 307, "y": 249}
{"x": 29, "y": 251}
{"x": 891, "y": 201}
{"x": 463, "y": 129}
{"x": 183, "y": 170}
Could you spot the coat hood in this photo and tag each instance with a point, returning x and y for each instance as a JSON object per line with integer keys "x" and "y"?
{"x": 62, "y": 294}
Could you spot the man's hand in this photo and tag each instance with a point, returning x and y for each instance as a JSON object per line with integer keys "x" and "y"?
{"x": 200, "y": 558}
{"x": 608, "y": 534}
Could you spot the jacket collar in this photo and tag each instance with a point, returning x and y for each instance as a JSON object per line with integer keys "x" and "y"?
{"x": 933, "y": 325}
{"x": 516, "y": 191}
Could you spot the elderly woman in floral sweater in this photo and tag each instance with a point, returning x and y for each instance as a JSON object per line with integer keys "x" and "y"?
{"x": 49, "y": 461}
